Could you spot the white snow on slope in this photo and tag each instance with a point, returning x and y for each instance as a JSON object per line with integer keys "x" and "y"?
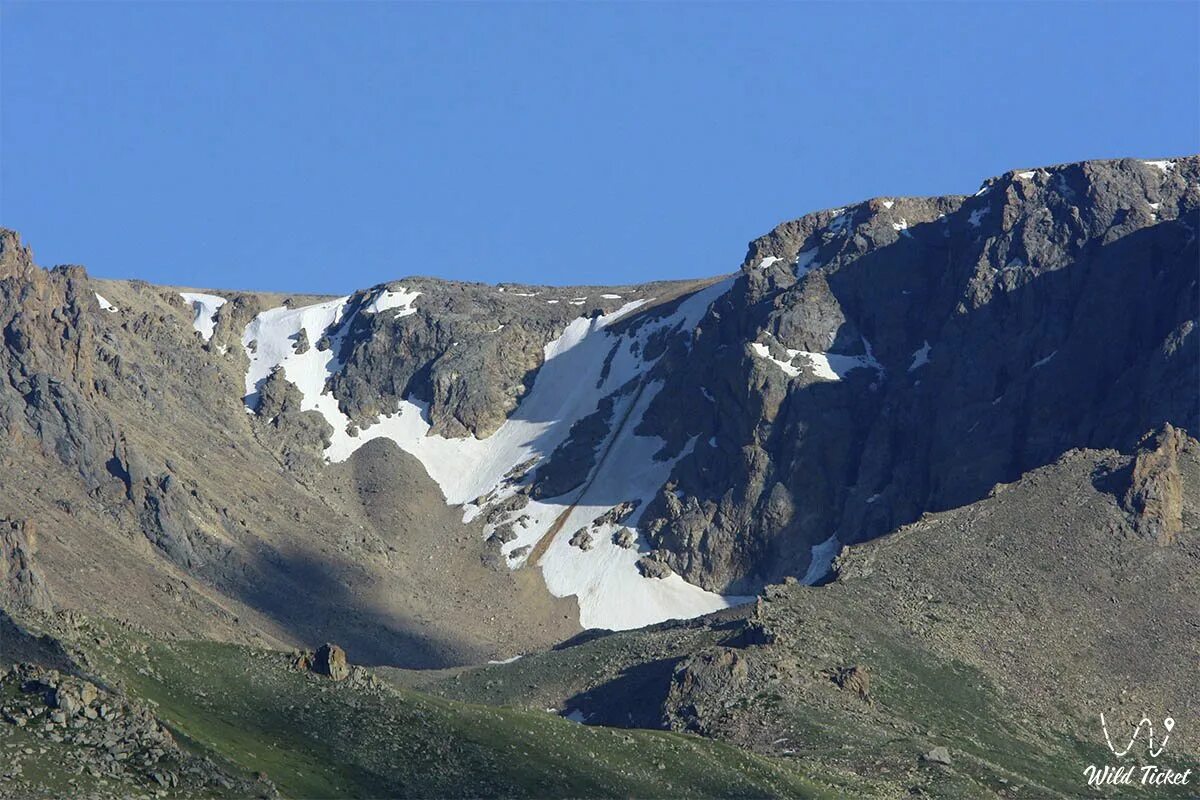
{"x": 977, "y": 216}
{"x": 1165, "y": 166}
{"x": 920, "y": 357}
{"x": 826, "y": 366}
{"x": 823, "y": 555}
{"x": 104, "y": 304}
{"x": 1041, "y": 362}
{"x": 387, "y": 300}
{"x": 610, "y": 590}
{"x": 507, "y": 660}
{"x": 806, "y": 262}
{"x": 768, "y": 261}
{"x": 270, "y": 340}
{"x": 1026, "y": 175}
{"x": 204, "y": 306}
{"x": 762, "y": 351}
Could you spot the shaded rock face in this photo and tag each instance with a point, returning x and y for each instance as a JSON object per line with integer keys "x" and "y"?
{"x": 1056, "y": 309}
{"x": 703, "y": 685}
{"x": 1155, "y": 495}
{"x": 469, "y": 351}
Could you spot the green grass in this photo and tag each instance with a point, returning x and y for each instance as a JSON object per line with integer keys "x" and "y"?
{"x": 315, "y": 738}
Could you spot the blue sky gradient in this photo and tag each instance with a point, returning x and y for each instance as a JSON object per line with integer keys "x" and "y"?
{"x": 327, "y": 147}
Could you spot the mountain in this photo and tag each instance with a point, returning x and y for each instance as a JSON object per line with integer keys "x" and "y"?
{"x": 437, "y": 474}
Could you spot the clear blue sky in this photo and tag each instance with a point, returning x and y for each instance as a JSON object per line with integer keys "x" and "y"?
{"x": 326, "y": 147}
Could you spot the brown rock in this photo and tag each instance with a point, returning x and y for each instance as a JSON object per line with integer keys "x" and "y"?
{"x": 330, "y": 660}
{"x": 853, "y": 679}
{"x": 1155, "y": 495}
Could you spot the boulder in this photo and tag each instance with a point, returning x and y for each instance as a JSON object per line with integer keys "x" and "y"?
{"x": 330, "y": 660}
{"x": 938, "y": 755}
{"x": 652, "y": 567}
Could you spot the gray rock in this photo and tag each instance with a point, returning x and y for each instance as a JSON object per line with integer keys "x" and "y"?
{"x": 938, "y": 755}
{"x": 653, "y": 567}
{"x": 625, "y": 538}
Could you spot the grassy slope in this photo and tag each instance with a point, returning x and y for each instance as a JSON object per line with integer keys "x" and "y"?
{"x": 315, "y": 738}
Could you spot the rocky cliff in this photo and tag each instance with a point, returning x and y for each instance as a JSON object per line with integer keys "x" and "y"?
{"x": 654, "y": 451}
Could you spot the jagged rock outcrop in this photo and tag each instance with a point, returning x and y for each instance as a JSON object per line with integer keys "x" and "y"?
{"x": 21, "y": 582}
{"x": 703, "y": 686}
{"x": 855, "y": 679}
{"x": 1155, "y": 495}
{"x": 1004, "y": 329}
{"x": 297, "y": 437}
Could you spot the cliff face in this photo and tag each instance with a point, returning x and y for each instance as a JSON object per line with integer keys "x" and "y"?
{"x": 980, "y": 338}
{"x": 654, "y": 449}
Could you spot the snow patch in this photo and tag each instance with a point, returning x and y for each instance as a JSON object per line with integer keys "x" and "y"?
{"x": 507, "y": 660}
{"x": 610, "y": 297}
{"x": 806, "y": 262}
{"x": 269, "y": 341}
{"x": 386, "y": 300}
{"x": 1026, "y": 175}
{"x": 823, "y": 555}
{"x": 105, "y": 305}
{"x": 920, "y": 357}
{"x": 768, "y": 261}
{"x": 825, "y": 366}
{"x": 204, "y": 307}
{"x": 1044, "y": 361}
{"x": 1165, "y": 165}
{"x": 977, "y": 216}
{"x": 888, "y": 203}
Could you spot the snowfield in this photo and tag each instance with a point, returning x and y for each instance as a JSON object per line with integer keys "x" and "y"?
{"x": 205, "y": 308}
{"x": 825, "y": 366}
{"x": 611, "y": 591}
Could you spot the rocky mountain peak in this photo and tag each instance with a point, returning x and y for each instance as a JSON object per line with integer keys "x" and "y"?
{"x": 652, "y": 451}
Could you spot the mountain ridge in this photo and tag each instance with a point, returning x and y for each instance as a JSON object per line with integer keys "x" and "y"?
{"x": 777, "y": 415}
